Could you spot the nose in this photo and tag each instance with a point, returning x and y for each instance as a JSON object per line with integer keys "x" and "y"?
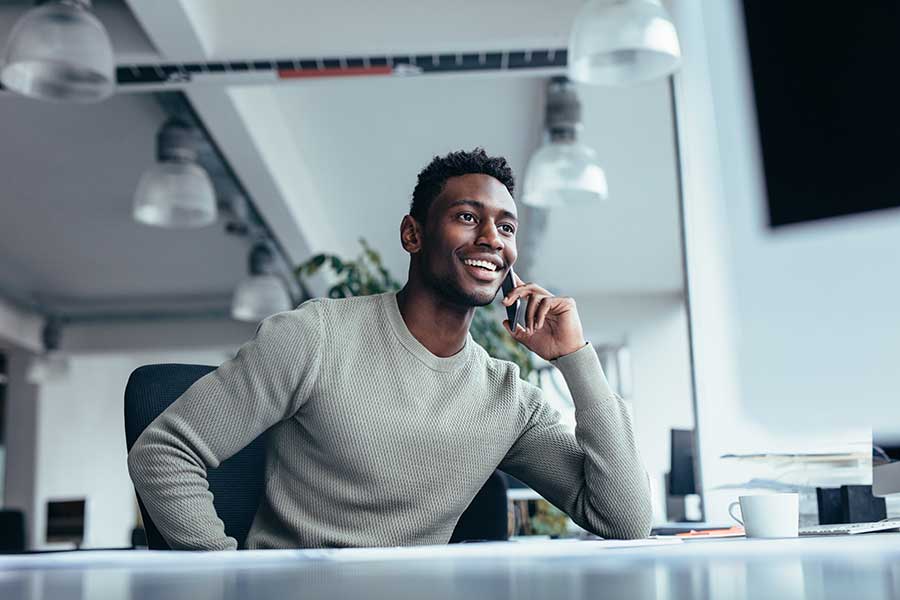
{"x": 490, "y": 236}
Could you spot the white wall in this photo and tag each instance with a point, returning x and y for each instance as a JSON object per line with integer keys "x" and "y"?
{"x": 793, "y": 331}
{"x": 816, "y": 304}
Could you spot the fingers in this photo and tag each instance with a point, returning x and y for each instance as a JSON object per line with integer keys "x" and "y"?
{"x": 537, "y": 306}
{"x": 541, "y": 314}
{"x": 534, "y": 303}
{"x": 524, "y": 290}
{"x": 517, "y": 333}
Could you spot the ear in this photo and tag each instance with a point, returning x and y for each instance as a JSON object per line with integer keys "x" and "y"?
{"x": 411, "y": 235}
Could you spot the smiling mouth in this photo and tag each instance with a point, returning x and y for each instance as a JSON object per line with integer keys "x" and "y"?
{"x": 482, "y": 271}
{"x": 482, "y": 265}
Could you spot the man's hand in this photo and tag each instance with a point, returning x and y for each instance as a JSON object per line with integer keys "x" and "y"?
{"x": 552, "y": 326}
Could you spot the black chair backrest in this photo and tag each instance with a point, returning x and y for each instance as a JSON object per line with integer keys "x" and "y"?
{"x": 237, "y": 484}
{"x": 12, "y": 531}
{"x": 487, "y": 517}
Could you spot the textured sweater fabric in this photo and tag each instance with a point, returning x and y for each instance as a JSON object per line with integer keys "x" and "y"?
{"x": 375, "y": 441}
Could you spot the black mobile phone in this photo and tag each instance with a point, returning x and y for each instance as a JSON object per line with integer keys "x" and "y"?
{"x": 512, "y": 310}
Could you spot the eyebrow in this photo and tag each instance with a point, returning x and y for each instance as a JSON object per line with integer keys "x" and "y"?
{"x": 477, "y": 204}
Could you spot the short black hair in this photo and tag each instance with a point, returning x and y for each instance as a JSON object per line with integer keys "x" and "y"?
{"x": 433, "y": 177}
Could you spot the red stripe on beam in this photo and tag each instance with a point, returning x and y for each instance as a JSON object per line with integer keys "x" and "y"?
{"x": 347, "y": 72}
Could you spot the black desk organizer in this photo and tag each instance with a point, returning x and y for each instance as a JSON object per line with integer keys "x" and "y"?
{"x": 849, "y": 504}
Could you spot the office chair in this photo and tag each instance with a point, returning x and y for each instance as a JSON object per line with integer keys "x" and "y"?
{"x": 237, "y": 484}
{"x": 487, "y": 517}
{"x": 12, "y": 531}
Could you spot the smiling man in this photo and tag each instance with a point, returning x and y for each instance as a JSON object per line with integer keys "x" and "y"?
{"x": 385, "y": 416}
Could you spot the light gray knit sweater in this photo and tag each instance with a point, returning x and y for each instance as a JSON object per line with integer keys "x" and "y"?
{"x": 375, "y": 441}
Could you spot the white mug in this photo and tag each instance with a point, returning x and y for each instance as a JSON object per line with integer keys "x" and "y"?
{"x": 768, "y": 515}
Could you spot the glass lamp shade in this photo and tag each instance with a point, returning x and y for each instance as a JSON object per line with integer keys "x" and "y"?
{"x": 175, "y": 194}
{"x": 560, "y": 172}
{"x": 59, "y": 51}
{"x": 622, "y": 42}
{"x": 258, "y": 297}
{"x": 46, "y": 368}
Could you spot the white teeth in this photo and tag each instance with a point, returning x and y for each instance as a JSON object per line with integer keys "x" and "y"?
{"x": 481, "y": 263}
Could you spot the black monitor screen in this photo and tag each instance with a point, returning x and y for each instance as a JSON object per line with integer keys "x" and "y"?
{"x": 828, "y": 105}
{"x": 65, "y": 521}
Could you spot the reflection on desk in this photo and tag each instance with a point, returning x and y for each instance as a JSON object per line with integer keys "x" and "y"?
{"x": 857, "y": 567}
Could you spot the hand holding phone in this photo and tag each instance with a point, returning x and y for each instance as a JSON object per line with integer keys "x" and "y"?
{"x": 552, "y": 328}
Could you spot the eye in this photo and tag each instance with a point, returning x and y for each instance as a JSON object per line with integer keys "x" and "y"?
{"x": 467, "y": 217}
{"x": 509, "y": 228}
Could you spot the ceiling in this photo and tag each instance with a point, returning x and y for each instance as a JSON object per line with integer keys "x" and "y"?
{"x": 68, "y": 241}
{"x": 325, "y": 162}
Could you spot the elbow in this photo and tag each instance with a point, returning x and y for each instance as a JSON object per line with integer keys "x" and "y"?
{"x": 635, "y": 529}
{"x": 633, "y": 523}
{"x": 640, "y": 519}
{"x": 630, "y": 527}
{"x": 637, "y": 519}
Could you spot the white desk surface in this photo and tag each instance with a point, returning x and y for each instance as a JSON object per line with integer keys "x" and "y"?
{"x": 857, "y": 567}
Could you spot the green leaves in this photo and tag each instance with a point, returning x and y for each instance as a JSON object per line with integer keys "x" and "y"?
{"x": 366, "y": 275}
{"x": 311, "y": 266}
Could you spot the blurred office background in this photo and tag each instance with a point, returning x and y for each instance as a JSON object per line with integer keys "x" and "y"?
{"x": 302, "y": 165}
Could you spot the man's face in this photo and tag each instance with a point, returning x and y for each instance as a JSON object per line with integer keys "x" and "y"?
{"x": 473, "y": 219}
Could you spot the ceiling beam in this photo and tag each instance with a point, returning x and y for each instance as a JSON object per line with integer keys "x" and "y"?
{"x": 248, "y": 127}
{"x": 20, "y": 327}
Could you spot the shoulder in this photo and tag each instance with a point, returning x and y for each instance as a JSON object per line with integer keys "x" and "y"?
{"x": 326, "y": 318}
{"x": 345, "y": 308}
{"x": 308, "y": 313}
{"x": 316, "y": 310}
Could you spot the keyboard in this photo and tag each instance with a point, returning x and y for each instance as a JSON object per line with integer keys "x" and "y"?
{"x": 851, "y": 528}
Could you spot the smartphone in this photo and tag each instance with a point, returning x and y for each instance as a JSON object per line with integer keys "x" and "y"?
{"x": 512, "y": 311}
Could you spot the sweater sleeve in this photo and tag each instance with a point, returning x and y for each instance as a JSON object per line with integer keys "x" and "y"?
{"x": 268, "y": 381}
{"x": 594, "y": 475}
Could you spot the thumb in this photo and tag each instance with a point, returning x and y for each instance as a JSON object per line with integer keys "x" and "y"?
{"x": 517, "y": 333}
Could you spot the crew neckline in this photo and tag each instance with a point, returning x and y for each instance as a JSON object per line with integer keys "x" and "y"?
{"x": 414, "y": 346}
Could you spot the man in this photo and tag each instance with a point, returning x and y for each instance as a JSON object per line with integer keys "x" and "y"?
{"x": 386, "y": 417}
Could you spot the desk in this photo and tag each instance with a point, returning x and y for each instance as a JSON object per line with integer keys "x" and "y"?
{"x": 847, "y": 567}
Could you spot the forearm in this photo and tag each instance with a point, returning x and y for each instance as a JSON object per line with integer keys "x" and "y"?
{"x": 615, "y": 498}
{"x": 170, "y": 479}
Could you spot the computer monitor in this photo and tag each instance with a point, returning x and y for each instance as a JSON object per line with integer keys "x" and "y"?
{"x": 65, "y": 521}
{"x": 681, "y": 471}
{"x": 827, "y": 119}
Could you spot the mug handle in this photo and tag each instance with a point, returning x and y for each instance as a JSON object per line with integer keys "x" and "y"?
{"x": 731, "y": 511}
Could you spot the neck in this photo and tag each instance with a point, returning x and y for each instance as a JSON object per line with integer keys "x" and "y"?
{"x": 439, "y": 325}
